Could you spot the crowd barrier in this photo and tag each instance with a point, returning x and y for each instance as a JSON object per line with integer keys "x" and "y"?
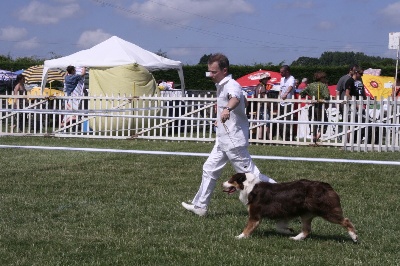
{"x": 355, "y": 125}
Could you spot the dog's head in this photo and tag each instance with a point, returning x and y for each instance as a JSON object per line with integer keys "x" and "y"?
{"x": 236, "y": 182}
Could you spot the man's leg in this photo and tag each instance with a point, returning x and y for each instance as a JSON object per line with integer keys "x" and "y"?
{"x": 243, "y": 163}
{"x": 212, "y": 170}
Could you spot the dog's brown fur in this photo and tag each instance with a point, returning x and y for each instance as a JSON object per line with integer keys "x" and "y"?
{"x": 284, "y": 201}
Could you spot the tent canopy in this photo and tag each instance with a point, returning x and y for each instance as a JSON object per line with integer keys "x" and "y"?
{"x": 114, "y": 52}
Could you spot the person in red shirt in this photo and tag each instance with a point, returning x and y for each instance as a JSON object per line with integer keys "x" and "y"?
{"x": 303, "y": 84}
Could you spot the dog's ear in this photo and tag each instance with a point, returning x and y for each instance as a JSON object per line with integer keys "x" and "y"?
{"x": 241, "y": 177}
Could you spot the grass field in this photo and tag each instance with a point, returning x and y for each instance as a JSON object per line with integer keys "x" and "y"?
{"x": 89, "y": 208}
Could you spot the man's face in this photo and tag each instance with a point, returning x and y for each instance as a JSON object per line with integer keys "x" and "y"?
{"x": 283, "y": 72}
{"x": 216, "y": 74}
{"x": 359, "y": 75}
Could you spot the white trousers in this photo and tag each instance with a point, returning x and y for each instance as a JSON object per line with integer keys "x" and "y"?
{"x": 212, "y": 169}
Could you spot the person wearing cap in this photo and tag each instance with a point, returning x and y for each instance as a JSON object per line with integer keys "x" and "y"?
{"x": 262, "y": 113}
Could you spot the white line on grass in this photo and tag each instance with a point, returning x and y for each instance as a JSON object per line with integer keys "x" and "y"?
{"x": 327, "y": 160}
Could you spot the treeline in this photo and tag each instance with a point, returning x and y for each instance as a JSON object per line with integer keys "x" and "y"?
{"x": 344, "y": 59}
{"x": 8, "y": 63}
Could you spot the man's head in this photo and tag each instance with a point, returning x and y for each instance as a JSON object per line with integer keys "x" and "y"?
{"x": 352, "y": 69}
{"x": 320, "y": 76}
{"x": 71, "y": 69}
{"x": 20, "y": 78}
{"x": 358, "y": 73}
{"x": 285, "y": 71}
{"x": 218, "y": 66}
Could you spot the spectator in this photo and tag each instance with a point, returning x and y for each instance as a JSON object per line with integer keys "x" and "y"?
{"x": 396, "y": 87}
{"x": 303, "y": 84}
{"x": 286, "y": 92}
{"x": 72, "y": 79}
{"x": 345, "y": 82}
{"x": 296, "y": 84}
{"x": 318, "y": 90}
{"x": 356, "y": 88}
{"x": 19, "y": 89}
{"x": 261, "y": 108}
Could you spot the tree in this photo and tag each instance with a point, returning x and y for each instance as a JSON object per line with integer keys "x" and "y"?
{"x": 5, "y": 58}
{"x": 344, "y": 59}
{"x": 204, "y": 59}
{"x": 306, "y": 61}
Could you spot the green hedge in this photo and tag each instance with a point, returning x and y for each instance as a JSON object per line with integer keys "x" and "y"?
{"x": 195, "y": 75}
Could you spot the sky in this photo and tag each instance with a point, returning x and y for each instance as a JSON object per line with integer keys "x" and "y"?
{"x": 247, "y": 31}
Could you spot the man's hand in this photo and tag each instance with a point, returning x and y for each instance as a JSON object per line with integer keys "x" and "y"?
{"x": 225, "y": 115}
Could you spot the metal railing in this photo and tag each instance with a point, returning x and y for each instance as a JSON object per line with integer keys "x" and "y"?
{"x": 356, "y": 125}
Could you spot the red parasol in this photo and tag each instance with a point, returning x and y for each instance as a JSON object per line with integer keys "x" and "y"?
{"x": 253, "y": 78}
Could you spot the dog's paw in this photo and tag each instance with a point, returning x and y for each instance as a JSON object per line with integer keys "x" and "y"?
{"x": 299, "y": 237}
{"x": 240, "y": 236}
{"x": 354, "y": 237}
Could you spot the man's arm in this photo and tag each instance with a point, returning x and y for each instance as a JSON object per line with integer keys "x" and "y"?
{"x": 284, "y": 96}
{"x": 232, "y": 104}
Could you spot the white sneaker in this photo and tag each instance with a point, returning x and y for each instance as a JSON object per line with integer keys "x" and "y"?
{"x": 196, "y": 210}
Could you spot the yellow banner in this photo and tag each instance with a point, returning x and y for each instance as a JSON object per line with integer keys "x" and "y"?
{"x": 378, "y": 86}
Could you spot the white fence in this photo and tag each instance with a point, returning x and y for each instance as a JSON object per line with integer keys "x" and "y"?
{"x": 358, "y": 126}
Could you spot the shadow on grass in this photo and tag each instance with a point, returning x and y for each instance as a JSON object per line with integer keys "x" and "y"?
{"x": 271, "y": 233}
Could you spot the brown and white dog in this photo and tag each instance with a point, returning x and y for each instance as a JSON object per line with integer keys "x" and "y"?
{"x": 285, "y": 201}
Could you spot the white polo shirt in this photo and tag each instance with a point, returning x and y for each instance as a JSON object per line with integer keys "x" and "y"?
{"x": 235, "y": 133}
{"x": 285, "y": 84}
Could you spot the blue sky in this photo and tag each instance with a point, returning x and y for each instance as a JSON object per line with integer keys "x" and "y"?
{"x": 247, "y": 31}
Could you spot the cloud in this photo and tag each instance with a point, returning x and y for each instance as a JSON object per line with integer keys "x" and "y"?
{"x": 12, "y": 33}
{"x": 91, "y": 38}
{"x": 183, "y": 12}
{"x": 390, "y": 14}
{"x": 28, "y": 44}
{"x": 40, "y": 13}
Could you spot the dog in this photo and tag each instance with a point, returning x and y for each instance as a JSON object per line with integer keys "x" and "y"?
{"x": 285, "y": 201}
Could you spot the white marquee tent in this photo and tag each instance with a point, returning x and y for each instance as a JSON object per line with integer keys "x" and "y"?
{"x": 114, "y": 52}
